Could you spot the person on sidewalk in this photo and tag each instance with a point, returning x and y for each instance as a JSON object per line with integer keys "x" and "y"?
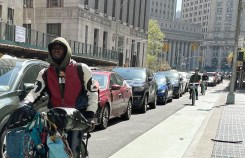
{"x": 63, "y": 83}
{"x": 195, "y": 78}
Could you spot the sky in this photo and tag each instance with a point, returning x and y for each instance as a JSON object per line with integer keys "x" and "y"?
{"x": 179, "y": 5}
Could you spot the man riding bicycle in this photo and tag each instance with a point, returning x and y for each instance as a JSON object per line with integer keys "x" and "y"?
{"x": 204, "y": 78}
{"x": 195, "y": 78}
{"x": 63, "y": 84}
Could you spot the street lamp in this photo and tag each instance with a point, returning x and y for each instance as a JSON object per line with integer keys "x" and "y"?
{"x": 231, "y": 96}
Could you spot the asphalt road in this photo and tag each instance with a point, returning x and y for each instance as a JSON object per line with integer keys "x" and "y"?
{"x": 105, "y": 143}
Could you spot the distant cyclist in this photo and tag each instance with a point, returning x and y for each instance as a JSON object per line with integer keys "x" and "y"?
{"x": 195, "y": 78}
{"x": 204, "y": 78}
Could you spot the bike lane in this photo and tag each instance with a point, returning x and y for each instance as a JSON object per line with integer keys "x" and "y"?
{"x": 172, "y": 137}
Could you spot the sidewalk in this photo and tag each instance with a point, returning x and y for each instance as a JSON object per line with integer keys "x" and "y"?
{"x": 232, "y": 129}
{"x": 176, "y": 136}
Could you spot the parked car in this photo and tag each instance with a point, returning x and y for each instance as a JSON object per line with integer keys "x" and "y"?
{"x": 212, "y": 79}
{"x": 165, "y": 89}
{"x": 186, "y": 78}
{"x": 176, "y": 80}
{"x": 17, "y": 77}
{"x": 115, "y": 97}
{"x": 144, "y": 86}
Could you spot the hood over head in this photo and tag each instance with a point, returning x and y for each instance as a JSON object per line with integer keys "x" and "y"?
{"x": 68, "y": 53}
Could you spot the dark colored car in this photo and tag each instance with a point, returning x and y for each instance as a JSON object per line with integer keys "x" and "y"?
{"x": 144, "y": 86}
{"x": 165, "y": 89}
{"x": 17, "y": 77}
{"x": 115, "y": 97}
{"x": 176, "y": 80}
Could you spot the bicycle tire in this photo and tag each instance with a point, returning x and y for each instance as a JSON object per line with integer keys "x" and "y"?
{"x": 193, "y": 96}
{"x": 83, "y": 150}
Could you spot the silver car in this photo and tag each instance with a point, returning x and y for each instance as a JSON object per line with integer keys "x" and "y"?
{"x": 17, "y": 77}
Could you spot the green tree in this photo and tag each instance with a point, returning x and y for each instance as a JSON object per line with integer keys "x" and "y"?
{"x": 155, "y": 46}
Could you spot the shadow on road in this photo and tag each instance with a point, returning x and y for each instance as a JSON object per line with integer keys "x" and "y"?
{"x": 188, "y": 105}
{"x": 204, "y": 109}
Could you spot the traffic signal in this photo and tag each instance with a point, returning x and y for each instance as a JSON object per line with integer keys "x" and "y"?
{"x": 165, "y": 47}
{"x": 194, "y": 46}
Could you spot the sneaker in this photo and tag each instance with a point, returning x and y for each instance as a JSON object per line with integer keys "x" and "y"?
{"x": 197, "y": 98}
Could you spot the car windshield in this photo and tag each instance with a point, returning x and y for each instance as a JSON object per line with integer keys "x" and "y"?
{"x": 8, "y": 75}
{"x": 160, "y": 79}
{"x": 102, "y": 79}
{"x": 173, "y": 76}
{"x": 132, "y": 74}
{"x": 210, "y": 74}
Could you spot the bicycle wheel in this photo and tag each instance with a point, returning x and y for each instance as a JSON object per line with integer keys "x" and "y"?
{"x": 83, "y": 151}
{"x": 193, "y": 96}
{"x": 204, "y": 89}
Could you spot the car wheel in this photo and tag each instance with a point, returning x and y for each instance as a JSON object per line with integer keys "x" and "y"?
{"x": 144, "y": 104}
{"x": 171, "y": 99}
{"x": 178, "y": 96}
{"x": 154, "y": 103}
{"x": 3, "y": 143}
{"x": 104, "y": 118}
{"x": 164, "y": 101}
{"x": 128, "y": 112}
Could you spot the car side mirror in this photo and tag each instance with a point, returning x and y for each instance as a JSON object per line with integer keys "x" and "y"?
{"x": 115, "y": 87}
{"x": 28, "y": 86}
{"x": 150, "y": 78}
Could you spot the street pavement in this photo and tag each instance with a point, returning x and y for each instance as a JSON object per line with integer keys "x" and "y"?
{"x": 190, "y": 131}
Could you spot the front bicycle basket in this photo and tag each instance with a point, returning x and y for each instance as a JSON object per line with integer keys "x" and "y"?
{"x": 68, "y": 118}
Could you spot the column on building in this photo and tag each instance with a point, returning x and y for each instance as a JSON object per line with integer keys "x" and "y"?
{"x": 142, "y": 14}
{"x": 173, "y": 54}
{"x": 182, "y": 54}
{"x": 189, "y": 56}
{"x": 125, "y": 11}
{"x": 131, "y": 12}
{"x": 101, "y": 5}
{"x": 221, "y": 48}
{"x": 198, "y": 62}
{"x": 186, "y": 55}
{"x": 177, "y": 54}
{"x": 109, "y": 7}
{"x": 169, "y": 53}
{"x": 147, "y": 15}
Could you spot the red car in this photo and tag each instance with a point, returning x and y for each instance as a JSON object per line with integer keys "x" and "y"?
{"x": 115, "y": 97}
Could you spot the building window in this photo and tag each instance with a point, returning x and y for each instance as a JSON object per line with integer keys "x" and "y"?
{"x": 55, "y": 3}
{"x": 10, "y": 16}
{"x": 86, "y": 34}
{"x": 28, "y": 3}
{"x": 28, "y": 32}
{"x": 54, "y": 29}
{"x": 85, "y": 2}
{"x": 114, "y": 8}
{"x": 105, "y": 6}
{"x": 96, "y": 4}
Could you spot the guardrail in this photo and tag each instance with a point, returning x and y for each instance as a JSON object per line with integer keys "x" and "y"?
{"x": 39, "y": 40}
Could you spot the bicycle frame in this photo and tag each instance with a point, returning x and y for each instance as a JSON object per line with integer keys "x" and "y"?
{"x": 193, "y": 87}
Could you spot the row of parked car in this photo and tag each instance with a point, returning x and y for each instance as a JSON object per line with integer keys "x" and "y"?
{"x": 121, "y": 90}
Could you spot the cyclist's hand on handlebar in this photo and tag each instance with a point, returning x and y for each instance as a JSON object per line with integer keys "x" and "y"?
{"x": 91, "y": 120}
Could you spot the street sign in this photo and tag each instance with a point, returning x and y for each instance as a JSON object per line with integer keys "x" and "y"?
{"x": 20, "y": 34}
{"x": 240, "y": 42}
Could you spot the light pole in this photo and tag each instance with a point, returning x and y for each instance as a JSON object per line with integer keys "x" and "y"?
{"x": 231, "y": 96}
